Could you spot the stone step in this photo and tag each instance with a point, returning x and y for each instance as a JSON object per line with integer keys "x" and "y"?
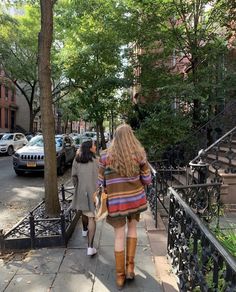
{"x": 225, "y": 144}
{"x": 180, "y": 179}
{"x": 221, "y": 159}
{"x": 222, "y": 151}
{"x": 230, "y": 208}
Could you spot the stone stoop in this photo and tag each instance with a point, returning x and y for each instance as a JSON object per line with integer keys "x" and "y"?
{"x": 229, "y": 183}
{"x": 158, "y": 242}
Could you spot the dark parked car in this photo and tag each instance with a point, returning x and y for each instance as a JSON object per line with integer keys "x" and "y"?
{"x": 30, "y": 158}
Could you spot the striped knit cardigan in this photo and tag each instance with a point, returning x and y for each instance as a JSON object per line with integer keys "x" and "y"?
{"x": 126, "y": 195}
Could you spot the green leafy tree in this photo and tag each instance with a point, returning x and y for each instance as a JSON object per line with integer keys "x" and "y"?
{"x": 179, "y": 52}
{"x": 160, "y": 126}
{"x": 19, "y": 56}
{"x": 91, "y": 54}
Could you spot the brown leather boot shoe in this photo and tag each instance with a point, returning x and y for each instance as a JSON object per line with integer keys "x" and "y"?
{"x": 120, "y": 268}
{"x": 130, "y": 254}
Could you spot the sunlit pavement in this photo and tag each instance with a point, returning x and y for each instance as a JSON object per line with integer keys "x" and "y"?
{"x": 70, "y": 269}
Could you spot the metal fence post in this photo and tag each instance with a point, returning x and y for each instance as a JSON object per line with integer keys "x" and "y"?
{"x": 63, "y": 225}
{"x": 32, "y": 229}
{"x": 201, "y": 167}
{"x": 63, "y": 192}
{"x": 2, "y": 243}
{"x": 155, "y": 181}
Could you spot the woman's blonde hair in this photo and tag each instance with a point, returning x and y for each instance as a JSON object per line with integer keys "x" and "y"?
{"x": 125, "y": 152}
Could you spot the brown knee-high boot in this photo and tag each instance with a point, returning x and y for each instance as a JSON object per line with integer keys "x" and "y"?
{"x": 130, "y": 254}
{"x": 120, "y": 268}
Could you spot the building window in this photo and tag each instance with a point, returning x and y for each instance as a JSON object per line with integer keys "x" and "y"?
{"x": 35, "y": 126}
{"x": 6, "y": 117}
{"x": 6, "y": 93}
{"x": 12, "y": 120}
{"x": 12, "y": 95}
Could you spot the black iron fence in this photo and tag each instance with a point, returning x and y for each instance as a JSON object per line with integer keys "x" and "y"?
{"x": 66, "y": 193}
{"x": 163, "y": 177}
{"x": 220, "y": 156}
{"x": 203, "y": 199}
{"x": 200, "y": 261}
{"x": 37, "y": 230}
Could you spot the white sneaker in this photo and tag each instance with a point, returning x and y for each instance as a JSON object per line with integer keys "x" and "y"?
{"x": 91, "y": 251}
{"x": 84, "y": 233}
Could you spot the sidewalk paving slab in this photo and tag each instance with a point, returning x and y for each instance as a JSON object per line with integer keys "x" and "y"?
{"x": 71, "y": 270}
{"x": 42, "y": 261}
{"x": 30, "y": 283}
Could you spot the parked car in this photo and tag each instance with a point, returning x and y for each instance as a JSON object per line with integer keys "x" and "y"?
{"x": 74, "y": 135}
{"x": 31, "y": 157}
{"x": 1, "y": 135}
{"x": 106, "y": 136}
{"x": 89, "y": 135}
{"x": 78, "y": 140}
{"x": 10, "y": 142}
{"x": 29, "y": 136}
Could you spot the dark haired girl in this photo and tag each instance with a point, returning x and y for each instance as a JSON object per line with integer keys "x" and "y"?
{"x": 84, "y": 177}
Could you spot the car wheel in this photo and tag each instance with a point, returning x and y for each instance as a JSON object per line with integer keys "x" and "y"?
{"x": 10, "y": 150}
{"x": 62, "y": 166}
{"x": 19, "y": 172}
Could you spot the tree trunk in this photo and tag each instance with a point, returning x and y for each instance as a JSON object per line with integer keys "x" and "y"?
{"x": 31, "y": 122}
{"x": 196, "y": 102}
{"x": 97, "y": 142}
{"x": 101, "y": 129}
{"x": 47, "y": 117}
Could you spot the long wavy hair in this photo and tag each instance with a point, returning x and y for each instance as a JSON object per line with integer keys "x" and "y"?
{"x": 85, "y": 155}
{"x": 125, "y": 152}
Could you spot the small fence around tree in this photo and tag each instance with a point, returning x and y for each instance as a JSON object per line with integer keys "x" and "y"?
{"x": 36, "y": 230}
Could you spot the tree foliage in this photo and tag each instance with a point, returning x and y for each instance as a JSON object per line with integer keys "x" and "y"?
{"x": 91, "y": 54}
{"x": 19, "y": 55}
{"x": 181, "y": 50}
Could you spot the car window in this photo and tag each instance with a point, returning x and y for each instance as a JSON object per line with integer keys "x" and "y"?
{"x": 77, "y": 140}
{"x": 36, "y": 141}
{"x": 58, "y": 141}
{"x": 67, "y": 140}
{"x": 18, "y": 137}
{"x": 8, "y": 137}
{"x": 89, "y": 134}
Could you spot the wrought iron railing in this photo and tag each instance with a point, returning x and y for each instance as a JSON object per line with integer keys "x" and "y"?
{"x": 200, "y": 261}
{"x": 162, "y": 178}
{"x": 37, "y": 230}
{"x": 217, "y": 158}
{"x": 152, "y": 194}
{"x": 203, "y": 199}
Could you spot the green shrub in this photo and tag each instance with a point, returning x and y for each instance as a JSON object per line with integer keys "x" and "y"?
{"x": 161, "y": 129}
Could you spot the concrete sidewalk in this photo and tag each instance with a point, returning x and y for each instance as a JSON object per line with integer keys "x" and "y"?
{"x": 70, "y": 270}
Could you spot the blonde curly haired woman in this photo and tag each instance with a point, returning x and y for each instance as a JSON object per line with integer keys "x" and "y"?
{"x": 124, "y": 171}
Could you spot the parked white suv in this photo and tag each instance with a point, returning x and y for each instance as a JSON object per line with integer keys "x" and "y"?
{"x": 89, "y": 135}
{"x": 10, "y": 142}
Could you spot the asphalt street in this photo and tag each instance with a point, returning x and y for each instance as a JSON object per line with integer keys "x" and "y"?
{"x": 18, "y": 194}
